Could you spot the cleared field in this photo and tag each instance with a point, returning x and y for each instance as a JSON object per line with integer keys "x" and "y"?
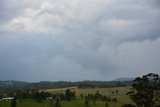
{"x": 121, "y": 95}
{"x": 79, "y": 102}
{"x": 104, "y": 91}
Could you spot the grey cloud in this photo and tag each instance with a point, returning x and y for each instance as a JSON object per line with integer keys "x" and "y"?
{"x": 11, "y": 9}
{"x": 66, "y": 40}
{"x": 140, "y": 57}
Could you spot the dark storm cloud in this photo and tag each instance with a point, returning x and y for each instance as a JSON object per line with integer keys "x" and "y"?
{"x": 75, "y": 40}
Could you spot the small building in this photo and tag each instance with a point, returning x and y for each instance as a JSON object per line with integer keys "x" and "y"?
{"x": 8, "y": 98}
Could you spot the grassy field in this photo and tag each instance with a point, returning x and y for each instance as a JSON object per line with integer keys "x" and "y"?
{"x": 104, "y": 91}
{"x": 79, "y": 102}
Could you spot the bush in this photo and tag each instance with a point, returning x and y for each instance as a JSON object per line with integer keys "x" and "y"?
{"x": 128, "y": 105}
{"x": 86, "y": 103}
{"x": 106, "y": 105}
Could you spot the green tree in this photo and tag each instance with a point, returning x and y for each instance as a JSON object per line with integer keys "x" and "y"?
{"x": 106, "y": 105}
{"x": 86, "y": 103}
{"x": 13, "y": 102}
{"x": 94, "y": 100}
{"x": 57, "y": 103}
{"x": 116, "y": 91}
{"x": 144, "y": 89}
{"x": 68, "y": 94}
{"x": 74, "y": 94}
{"x": 128, "y": 105}
{"x": 81, "y": 95}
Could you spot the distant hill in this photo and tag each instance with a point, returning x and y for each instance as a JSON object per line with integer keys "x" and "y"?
{"x": 9, "y": 83}
{"x": 123, "y": 79}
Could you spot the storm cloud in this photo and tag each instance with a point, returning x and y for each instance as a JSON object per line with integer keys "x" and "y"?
{"x": 78, "y": 39}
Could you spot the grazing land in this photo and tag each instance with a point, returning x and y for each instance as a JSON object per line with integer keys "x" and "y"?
{"x": 104, "y": 91}
{"x": 79, "y": 102}
{"x": 144, "y": 92}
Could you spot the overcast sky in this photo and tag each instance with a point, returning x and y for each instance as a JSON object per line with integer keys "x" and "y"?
{"x": 75, "y": 40}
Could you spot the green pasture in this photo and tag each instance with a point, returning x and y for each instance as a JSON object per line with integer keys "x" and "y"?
{"x": 79, "y": 102}
{"x": 72, "y": 103}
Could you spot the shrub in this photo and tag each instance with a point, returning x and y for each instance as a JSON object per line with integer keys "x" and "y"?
{"x": 128, "y": 105}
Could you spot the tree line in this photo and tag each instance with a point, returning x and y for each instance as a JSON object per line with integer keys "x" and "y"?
{"x": 8, "y": 87}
